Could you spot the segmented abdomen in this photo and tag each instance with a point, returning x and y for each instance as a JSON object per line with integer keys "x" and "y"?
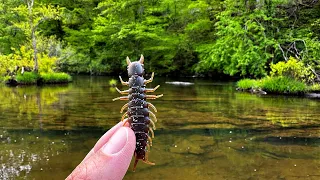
{"x": 138, "y": 117}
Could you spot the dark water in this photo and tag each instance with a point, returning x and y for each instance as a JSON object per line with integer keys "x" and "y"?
{"x": 204, "y": 131}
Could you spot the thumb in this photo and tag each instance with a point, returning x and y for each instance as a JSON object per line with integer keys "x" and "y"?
{"x": 111, "y": 161}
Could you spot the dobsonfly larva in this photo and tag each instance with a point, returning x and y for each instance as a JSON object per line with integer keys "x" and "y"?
{"x": 138, "y": 112}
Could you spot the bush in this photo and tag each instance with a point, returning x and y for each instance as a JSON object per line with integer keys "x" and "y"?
{"x": 314, "y": 88}
{"x": 283, "y": 85}
{"x": 293, "y": 69}
{"x": 27, "y": 78}
{"x": 247, "y": 84}
{"x": 55, "y": 78}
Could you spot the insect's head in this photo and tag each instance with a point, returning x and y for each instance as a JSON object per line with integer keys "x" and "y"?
{"x": 136, "y": 67}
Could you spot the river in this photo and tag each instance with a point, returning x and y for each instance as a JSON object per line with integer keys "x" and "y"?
{"x": 206, "y": 130}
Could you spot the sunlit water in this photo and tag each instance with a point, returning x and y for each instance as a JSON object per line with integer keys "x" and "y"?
{"x": 204, "y": 131}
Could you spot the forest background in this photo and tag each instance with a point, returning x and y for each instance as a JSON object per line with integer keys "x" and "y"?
{"x": 177, "y": 37}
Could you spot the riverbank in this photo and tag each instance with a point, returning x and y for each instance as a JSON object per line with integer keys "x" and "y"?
{"x": 31, "y": 78}
{"x": 279, "y": 85}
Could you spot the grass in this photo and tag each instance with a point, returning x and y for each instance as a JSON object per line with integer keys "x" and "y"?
{"x": 27, "y": 78}
{"x": 247, "y": 84}
{"x": 283, "y": 85}
{"x": 51, "y": 78}
{"x": 46, "y": 78}
{"x": 278, "y": 85}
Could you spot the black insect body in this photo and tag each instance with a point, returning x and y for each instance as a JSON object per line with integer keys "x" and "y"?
{"x": 138, "y": 109}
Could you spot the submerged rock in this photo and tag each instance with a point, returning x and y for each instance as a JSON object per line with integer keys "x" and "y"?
{"x": 180, "y": 83}
{"x": 313, "y": 95}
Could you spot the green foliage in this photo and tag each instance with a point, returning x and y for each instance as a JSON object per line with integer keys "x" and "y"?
{"x": 293, "y": 69}
{"x": 47, "y": 64}
{"x": 27, "y": 78}
{"x": 314, "y": 88}
{"x": 10, "y": 36}
{"x": 180, "y": 37}
{"x": 30, "y": 20}
{"x": 23, "y": 58}
{"x": 11, "y": 64}
{"x": 247, "y": 84}
{"x": 283, "y": 85}
{"x": 130, "y": 28}
{"x": 113, "y": 82}
{"x": 242, "y": 44}
{"x": 50, "y": 78}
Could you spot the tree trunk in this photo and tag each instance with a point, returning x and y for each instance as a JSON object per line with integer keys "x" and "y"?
{"x": 33, "y": 36}
{"x": 35, "y": 50}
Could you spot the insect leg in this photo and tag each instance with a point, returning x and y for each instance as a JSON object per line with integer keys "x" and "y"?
{"x": 146, "y": 157}
{"x": 154, "y": 126}
{"x": 149, "y": 80}
{"x": 122, "y": 82}
{"x": 123, "y": 107}
{"x": 122, "y": 92}
{"x": 152, "y": 133}
{"x": 123, "y": 116}
{"x": 154, "y": 96}
{"x": 150, "y": 141}
{"x": 152, "y": 90}
{"x": 125, "y": 121}
{"x": 154, "y": 116}
{"x": 135, "y": 162}
{"x": 152, "y": 106}
{"x": 121, "y": 98}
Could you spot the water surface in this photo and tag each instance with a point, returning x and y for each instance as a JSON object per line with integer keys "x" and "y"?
{"x": 204, "y": 131}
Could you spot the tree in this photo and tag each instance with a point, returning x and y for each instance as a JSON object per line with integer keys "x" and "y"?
{"x": 31, "y": 17}
{"x": 10, "y": 36}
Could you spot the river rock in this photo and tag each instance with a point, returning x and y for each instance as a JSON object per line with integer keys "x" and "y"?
{"x": 313, "y": 95}
{"x": 179, "y": 83}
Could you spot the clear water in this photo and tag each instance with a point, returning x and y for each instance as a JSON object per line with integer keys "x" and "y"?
{"x": 204, "y": 131}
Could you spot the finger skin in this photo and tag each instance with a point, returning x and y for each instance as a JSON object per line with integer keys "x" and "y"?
{"x": 105, "y": 138}
{"x": 110, "y": 157}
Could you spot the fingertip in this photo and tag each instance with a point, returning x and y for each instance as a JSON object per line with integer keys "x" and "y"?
{"x": 106, "y": 137}
{"x": 122, "y": 141}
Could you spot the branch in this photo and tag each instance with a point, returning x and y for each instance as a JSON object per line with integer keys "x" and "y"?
{"x": 42, "y": 20}
{"x": 315, "y": 73}
{"x": 284, "y": 56}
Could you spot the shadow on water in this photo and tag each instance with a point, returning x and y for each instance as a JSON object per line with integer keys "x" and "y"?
{"x": 205, "y": 131}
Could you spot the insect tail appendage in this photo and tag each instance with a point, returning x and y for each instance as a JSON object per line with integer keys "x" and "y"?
{"x": 145, "y": 160}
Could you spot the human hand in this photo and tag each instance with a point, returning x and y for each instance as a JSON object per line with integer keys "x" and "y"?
{"x": 109, "y": 158}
